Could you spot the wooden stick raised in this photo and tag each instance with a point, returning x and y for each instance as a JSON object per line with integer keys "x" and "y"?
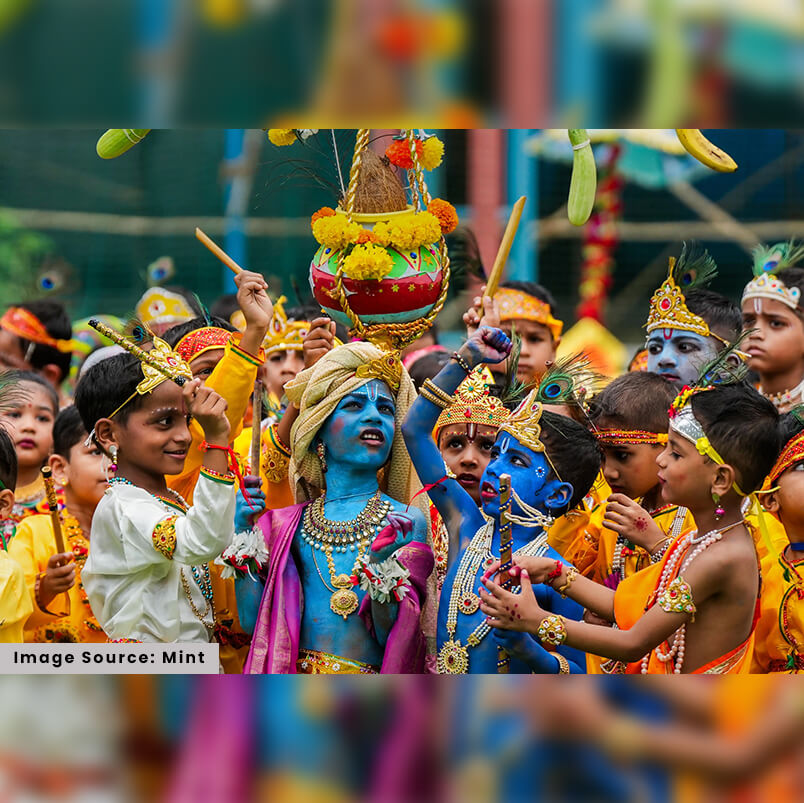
{"x": 53, "y": 507}
{"x": 493, "y": 281}
{"x": 218, "y": 251}
{"x": 256, "y": 429}
{"x": 506, "y": 559}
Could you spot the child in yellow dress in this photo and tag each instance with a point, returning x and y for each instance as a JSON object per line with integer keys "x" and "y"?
{"x": 61, "y": 610}
{"x": 15, "y": 603}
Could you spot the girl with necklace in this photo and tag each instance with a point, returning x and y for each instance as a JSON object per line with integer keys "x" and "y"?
{"x": 61, "y": 610}
{"x": 147, "y": 574}
{"x": 28, "y": 416}
{"x": 552, "y": 462}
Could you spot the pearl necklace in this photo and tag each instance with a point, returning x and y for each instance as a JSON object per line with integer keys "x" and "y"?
{"x": 677, "y": 551}
{"x": 453, "y": 657}
{"x": 793, "y": 396}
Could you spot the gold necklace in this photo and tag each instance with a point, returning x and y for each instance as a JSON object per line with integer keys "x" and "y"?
{"x": 79, "y": 546}
{"x": 339, "y": 536}
{"x": 33, "y": 490}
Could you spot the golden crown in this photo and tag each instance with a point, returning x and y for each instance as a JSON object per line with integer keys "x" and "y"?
{"x": 160, "y": 306}
{"x": 387, "y": 367}
{"x": 474, "y": 404}
{"x": 524, "y": 423}
{"x": 668, "y": 309}
{"x": 161, "y": 363}
{"x": 283, "y": 334}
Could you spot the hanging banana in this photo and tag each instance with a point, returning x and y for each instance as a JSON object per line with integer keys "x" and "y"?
{"x": 116, "y": 141}
{"x": 583, "y": 184}
{"x": 697, "y": 145}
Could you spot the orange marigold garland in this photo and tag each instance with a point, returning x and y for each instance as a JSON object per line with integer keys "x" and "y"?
{"x": 398, "y": 153}
{"x": 445, "y": 214}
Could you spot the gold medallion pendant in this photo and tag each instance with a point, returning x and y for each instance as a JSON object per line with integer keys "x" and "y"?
{"x": 453, "y": 659}
{"x": 469, "y": 603}
{"x": 343, "y": 601}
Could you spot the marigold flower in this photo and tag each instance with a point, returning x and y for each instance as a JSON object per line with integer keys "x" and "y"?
{"x": 324, "y": 211}
{"x": 368, "y": 261}
{"x": 398, "y": 153}
{"x": 432, "y": 153}
{"x": 282, "y": 136}
{"x": 445, "y": 213}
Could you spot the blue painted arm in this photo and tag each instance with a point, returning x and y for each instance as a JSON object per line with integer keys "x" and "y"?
{"x": 527, "y": 649}
{"x": 248, "y": 594}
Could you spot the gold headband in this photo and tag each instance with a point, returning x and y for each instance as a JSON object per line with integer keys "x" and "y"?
{"x": 474, "y": 404}
{"x": 516, "y": 305}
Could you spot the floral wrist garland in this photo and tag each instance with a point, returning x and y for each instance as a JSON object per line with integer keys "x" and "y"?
{"x": 382, "y": 580}
{"x": 245, "y": 555}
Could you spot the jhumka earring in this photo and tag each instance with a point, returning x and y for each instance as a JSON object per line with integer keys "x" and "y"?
{"x": 322, "y": 456}
{"x": 112, "y": 466}
{"x": 719, "y": 511}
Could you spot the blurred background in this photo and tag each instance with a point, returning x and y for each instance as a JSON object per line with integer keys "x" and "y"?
{"x": 511, "y": 63}
{"x": 410, "y": 739}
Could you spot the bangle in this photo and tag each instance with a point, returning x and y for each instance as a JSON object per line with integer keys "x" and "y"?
{"x": 572, "y": 573}
{"x": 552, "y": 631}
{"x": 435, "y": 395}
{"x": 556, "y": 571}
{"x": 462, "y": 362}
{"x": 659, "y": 552}
{"x": 563, "y": 664}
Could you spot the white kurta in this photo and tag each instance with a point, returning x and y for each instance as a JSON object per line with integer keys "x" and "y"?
{"x": 135, "y": 591}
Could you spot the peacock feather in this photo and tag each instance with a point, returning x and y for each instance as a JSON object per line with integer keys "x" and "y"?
{"x": 695, "y": 268}
{"x": 727, "y": 368}
{"x": 160, "y": 271}
{"x": 773, "y": 258}
{"x": 138, "y": 331}
{"x": 568, "y": 381}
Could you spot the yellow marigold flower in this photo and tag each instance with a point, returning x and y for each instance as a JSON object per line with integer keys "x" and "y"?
{"x": 335, "y": 231}
{"x": 368, "y": 262}
{"x": 324, "y": 211}
{"x": 382, "y": 233}
{"x": 432, "y": 153}
{"x": 282, "y": 136}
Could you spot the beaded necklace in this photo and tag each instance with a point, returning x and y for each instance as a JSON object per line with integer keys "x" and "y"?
{"x": 339, "y": 536}
{"x": 79, "y": 546}
{"x": 679, "y": 549}
{"x": 622, "y": 543}
{"x": 453, "y": 657}
{"x": 203, "y": 579}
{"x": 780, "y": 400}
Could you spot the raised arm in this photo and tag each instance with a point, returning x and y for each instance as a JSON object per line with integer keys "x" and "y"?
{"x": 451, "y": 501}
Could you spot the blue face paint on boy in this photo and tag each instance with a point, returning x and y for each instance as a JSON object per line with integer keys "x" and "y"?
{"x": 678, "y": 355}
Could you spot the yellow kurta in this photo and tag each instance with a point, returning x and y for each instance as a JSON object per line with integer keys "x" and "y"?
{"x": 15, "y": 601}
{"x": 779, "y": 643}
{"x": 70, "y": 617}
{"x": 672, "y": 521}
{"x": 233, "y": 378}
{"x": 575, "y": 535}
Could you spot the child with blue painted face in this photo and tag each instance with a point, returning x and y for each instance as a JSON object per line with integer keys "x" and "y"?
{"x": 688, "y": 325}
{"x": 552, "y": 462}
{"x": 348, "y": 565}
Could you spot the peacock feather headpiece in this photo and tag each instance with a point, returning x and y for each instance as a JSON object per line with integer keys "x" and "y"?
{"x": 693, "y": 270}
{"x": 768, "y": 261}
{"x": 567, "y": 382}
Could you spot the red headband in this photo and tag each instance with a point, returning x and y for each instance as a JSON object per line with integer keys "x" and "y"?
{"x": 200, "y": 340}
{"x": 25, "y": 324}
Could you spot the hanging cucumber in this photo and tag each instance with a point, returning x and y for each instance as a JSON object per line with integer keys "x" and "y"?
{"x": 117, "y": 141}
{"x": 583, "y": 184}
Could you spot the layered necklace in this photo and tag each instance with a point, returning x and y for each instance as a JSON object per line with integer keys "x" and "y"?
{"x": 453, "y": 657}
{"x": 675, "y": 654}
{"x": 201, "y": 576}
{"x": 624, "y": 546}
{"x": 342, "y": 536}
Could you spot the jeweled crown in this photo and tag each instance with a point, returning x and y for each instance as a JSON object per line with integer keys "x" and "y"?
{"x": 668, "y": 308}
{"x": 474, "y": 404}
